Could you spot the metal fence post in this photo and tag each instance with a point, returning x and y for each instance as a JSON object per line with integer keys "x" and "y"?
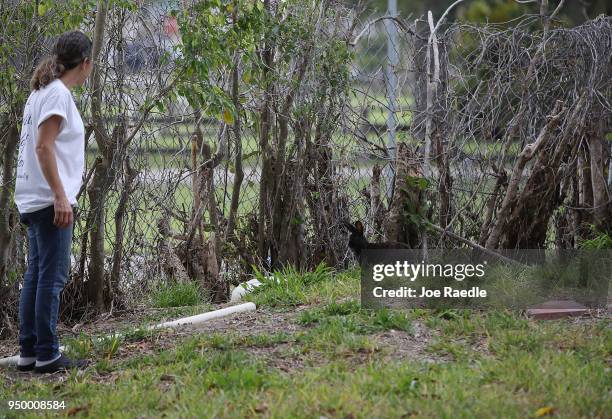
{"x": 391, "y": 90}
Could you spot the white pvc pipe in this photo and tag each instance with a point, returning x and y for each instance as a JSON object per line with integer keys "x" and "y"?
{"x": 201, "y": 318}
{"x": 185, "y": 321}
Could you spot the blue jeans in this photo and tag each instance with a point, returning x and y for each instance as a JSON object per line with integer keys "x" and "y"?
{"x": 44, "y": 280}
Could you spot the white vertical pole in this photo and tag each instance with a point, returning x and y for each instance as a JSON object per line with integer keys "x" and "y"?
{"x": 391, "y": 85}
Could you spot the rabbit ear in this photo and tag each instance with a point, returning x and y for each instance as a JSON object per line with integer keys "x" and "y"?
{"x": 349, "y": 226}
{"x": 359, "y": 227}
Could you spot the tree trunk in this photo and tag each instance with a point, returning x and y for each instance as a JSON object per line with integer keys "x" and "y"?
{"x": 375, "y": 214}
{"x": 528, "y": 221}
{"x": 96, "y": 278}
{"x": 401, "y": 224}
{"x": 585, "y": 191}
{"x": 263, "y": 219}
{"x": 238, "y": 171}
{"x": 97, "y": 195}
{"x": 130, "y": 176}
{"x": 530, "y": 150}
{"x": 602, "y": 218}
{"x": 10, "y": 140}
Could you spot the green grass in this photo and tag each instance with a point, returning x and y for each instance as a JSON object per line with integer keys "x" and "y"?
{"x": 349, "y": 316}
{"x": 172, "y": 148}
{"x": 288, "y": 287}
{"x": 485, "y": 364}
{"x": 145, "y": 214}
{"x": 489, "y": 149}
{"x": 176, "y": 294}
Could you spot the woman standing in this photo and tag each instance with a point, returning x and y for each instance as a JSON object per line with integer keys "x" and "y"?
{"x": 49, "y": 176}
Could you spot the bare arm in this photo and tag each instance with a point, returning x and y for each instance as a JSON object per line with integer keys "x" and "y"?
{"x": 45, "y": 151}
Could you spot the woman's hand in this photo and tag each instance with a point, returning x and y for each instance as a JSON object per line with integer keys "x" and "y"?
{"x": 63, "y": 212}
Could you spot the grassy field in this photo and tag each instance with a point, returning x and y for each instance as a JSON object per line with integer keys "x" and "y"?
{"x": 147, "y": 211}
{"x": 311, "y": 351}
{"x": 169, "y": 149}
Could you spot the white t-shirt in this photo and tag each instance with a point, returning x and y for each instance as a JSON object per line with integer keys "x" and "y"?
{"x": 32, "y": 192}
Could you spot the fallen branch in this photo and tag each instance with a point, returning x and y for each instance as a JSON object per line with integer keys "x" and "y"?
{"x": 470, "y": 243}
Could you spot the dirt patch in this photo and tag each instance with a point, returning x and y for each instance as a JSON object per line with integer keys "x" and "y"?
{"x": 264, "y": 321}
{"x": 391, "y": 345}
{"x": 399, "y": 345}
{"x": 261, "y": 321}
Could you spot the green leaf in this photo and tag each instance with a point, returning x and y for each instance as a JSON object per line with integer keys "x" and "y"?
{"x": 246, "y": 77}
{"x": 421, "y": 183}
{"x": 251, "y": 154}
{"x": 228, "y": 117}
{"x": 42, "y": 9}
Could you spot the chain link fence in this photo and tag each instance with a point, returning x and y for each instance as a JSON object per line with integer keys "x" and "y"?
{"x": 356, "y": 149}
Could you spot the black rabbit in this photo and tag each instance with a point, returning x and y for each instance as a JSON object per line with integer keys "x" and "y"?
{"x": 358, "y": 242}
